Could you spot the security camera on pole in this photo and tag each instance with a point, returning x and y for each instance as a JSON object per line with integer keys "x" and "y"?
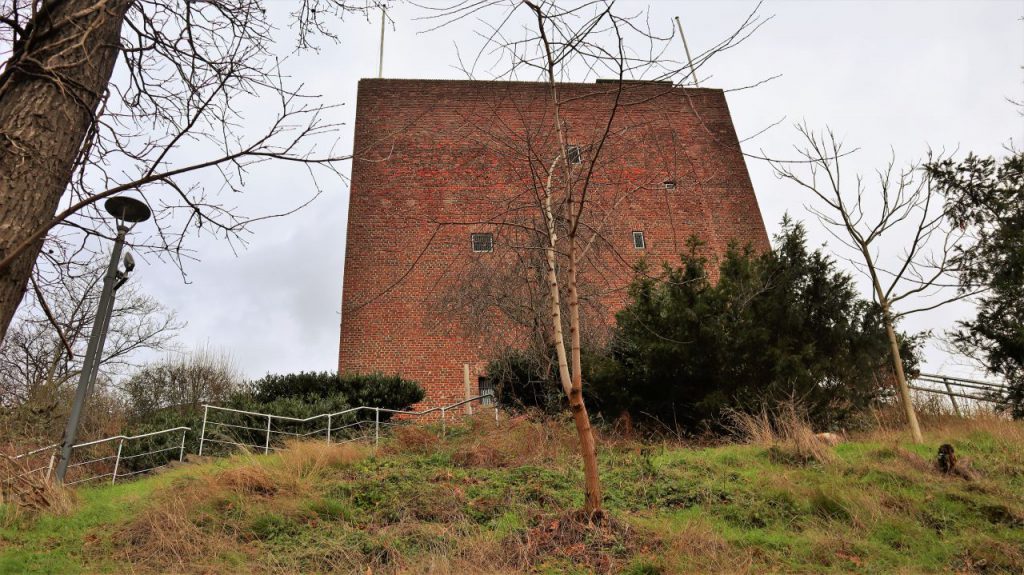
{"x": 124, "y": 210}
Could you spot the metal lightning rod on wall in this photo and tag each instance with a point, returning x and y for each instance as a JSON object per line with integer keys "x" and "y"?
{"x": 693, "y": 72}
{"x": 380, "y": 64}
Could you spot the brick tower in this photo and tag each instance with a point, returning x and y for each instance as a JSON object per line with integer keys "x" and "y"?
{"x": 439, "y": 223}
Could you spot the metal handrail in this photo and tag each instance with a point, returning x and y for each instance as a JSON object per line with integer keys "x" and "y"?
{"x": 40, "y": 450}
{"x": 955, "y": 394}
{"x": 959, "y": 380}
{"x": 969, "y": 383}
{"x": 118, "y": 458}
{"x": 131, "y": 437}
{"x": 270, "y": 418}
{"x": 964, "y": 385}
{"x": 352, "y": 410}
{"x": 105, "y": 439}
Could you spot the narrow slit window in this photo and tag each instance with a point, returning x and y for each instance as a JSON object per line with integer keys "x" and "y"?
{"x": 483, "y": 242}
{"x": 638, "y": 240}
{"x": 573, "y": 154}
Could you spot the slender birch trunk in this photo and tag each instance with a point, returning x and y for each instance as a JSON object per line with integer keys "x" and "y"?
{"x": 890, "y": 331}
{"x": 894, "y": 352}
{"x": 901, "y": 378}
{"x": 572, "y": 382}
{"x": 588, "y": 447}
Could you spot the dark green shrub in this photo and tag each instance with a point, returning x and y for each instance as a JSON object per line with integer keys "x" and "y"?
{"x": 985, "y": 197}
{"x": 374, "y": 390}
{"x": 774, "y": 327}
{"x": 523, "y": 381}
{"x": 777, "y": 326}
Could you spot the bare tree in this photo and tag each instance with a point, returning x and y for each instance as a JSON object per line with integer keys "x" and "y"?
{"x": 100, "y": 97}
{"x": 41, "y": 357}
{"x": 182, "y": 382}
{"x": 903, "y": 241}
{"x": 560, "y": 181}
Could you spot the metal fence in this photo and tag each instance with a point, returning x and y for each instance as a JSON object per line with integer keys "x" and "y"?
{"x": 963, "y": 388}
{"x": 115, "y": 457}
{"x": 125, "y": 456}
{"x": 225, "y": 429}
{"x": 229, "y": 428}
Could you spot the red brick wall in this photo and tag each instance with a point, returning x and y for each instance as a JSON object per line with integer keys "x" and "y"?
{"x": 437, "y": 160}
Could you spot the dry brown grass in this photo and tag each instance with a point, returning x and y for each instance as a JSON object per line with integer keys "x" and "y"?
{"x": 522, "y": 440}
{"x": 250, "y": 480}
{"x": 997, "y": 425}
{"x": 599, "y": 547}
{"x": 170, "y": 535}
{"x": 311, "y": 460}
{"x": 989, "y": 555}
{"x": 475, "y": 553}
{"x": 785, "y": 431}
{"x": 705, "y": 551}
{"x": 756, "y": 428}
{"x": 180, "y": 531}
{"x": 938, "y": 421}
{"x": 413, "y": 439}
{"x": 30, "y": 493}
{"x": 526, "y": 439}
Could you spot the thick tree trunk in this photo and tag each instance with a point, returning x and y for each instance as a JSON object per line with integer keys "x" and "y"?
{"x": 49, "y": 93}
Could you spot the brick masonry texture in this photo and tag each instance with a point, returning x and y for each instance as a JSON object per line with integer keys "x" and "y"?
{"x": 438, "y": 160}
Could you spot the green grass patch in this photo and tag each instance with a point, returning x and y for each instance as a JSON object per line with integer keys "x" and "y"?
{"x": 878, "y": 508}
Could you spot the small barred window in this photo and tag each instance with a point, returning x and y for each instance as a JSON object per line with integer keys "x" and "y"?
{"x": 482, "y": 242}
{"x": 486, "y": 387}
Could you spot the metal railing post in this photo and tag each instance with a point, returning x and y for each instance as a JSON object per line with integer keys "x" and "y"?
{"x": 468, "y": 388}
{"x": 949, "y": 390}
{"x": 117, "y": 462}
{"x": 376, "y": 426}
{"x": 49, "y": 467}
{"x": 266, "y": 448}
{"x": 181, "y": 450}
{"x": 202, "y": 434}
{"x": 495, "y": 413}
{"x": 444, "y": 424}
{"x": 328, "y": 428}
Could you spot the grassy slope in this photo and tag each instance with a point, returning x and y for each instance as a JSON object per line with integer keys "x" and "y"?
{"x": 500, "y": 501}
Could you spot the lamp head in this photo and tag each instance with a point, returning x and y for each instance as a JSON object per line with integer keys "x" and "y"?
{"x": 127, "y": 209}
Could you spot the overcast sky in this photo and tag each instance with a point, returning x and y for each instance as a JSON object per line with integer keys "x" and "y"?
{"x": 888, "y": 77}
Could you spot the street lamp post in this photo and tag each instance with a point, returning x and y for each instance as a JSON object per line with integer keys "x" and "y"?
{"x": 124, "y": 210}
